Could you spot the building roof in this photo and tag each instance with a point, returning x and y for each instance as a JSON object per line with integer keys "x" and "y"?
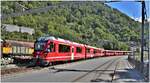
{"x": 22, "y": 29}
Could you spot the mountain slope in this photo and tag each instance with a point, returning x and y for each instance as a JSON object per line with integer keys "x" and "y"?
{"x": 92, "y": 23}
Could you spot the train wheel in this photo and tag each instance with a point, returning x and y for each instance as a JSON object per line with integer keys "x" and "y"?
{"x": 46, "y": 64}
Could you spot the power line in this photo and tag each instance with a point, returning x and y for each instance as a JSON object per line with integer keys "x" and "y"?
{"x": 42, "y": 9}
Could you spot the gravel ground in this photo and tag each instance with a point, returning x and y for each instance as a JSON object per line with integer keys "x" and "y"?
{"x": 14, "y": 70}
{"x": 21, "y": 68}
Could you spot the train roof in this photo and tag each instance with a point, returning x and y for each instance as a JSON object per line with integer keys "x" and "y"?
{"x": 93, "y": 47}
{"x": 77, "y": 44}
{"x": 63, "y": 41}
{"x": 118, "y": 51}
{"x": 20, "y": 43}
{"x": 45, "y": 38}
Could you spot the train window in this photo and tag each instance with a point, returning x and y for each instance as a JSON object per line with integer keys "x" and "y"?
{"x": 64, "y": 48}
{"x": 95, "y": 51}
{"x": 98, "y": 51}
{"x": 51, "y": 47}
{"x": 79, "y": 50}
{"x": 88, "y": 50}
{"x": 39, "y": 46}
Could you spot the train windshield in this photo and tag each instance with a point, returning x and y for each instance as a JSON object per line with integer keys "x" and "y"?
{"x": 39, "y": 46}
{"x": 50, "y": 47}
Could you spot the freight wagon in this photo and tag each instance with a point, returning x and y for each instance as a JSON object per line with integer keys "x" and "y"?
{"x": 11, "y": 49}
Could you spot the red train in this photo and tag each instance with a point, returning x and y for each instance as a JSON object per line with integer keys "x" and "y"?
{"x": 51, "y": 49}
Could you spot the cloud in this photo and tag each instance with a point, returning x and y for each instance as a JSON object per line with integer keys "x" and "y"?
{"x": 139, "y": 19}
{"x": 132, "y": 17}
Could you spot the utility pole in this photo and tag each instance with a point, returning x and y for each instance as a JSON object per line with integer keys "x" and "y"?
{"x": 142, "y": 33}
{"x": 148, "y": 41}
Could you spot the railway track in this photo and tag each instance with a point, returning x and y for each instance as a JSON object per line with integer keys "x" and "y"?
{"x": 114, "y": 72}
{"x": 101, "y": 71}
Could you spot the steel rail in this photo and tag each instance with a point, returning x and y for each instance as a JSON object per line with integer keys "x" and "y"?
{"x": 82, "y": 76}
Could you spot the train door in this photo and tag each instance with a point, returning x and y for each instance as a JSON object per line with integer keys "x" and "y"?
{"x": 92, "y": 52}
{"x": 72, "y": 53}
{"x": 85, "y": 52}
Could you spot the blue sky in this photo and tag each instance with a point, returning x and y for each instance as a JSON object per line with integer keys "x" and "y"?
{"x": 130, "y": 8}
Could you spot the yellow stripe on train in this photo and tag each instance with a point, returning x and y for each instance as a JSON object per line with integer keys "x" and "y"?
{"x": 7, "y": 50}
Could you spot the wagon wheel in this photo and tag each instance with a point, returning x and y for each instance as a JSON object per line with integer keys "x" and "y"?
{"x": 32, "y": 63}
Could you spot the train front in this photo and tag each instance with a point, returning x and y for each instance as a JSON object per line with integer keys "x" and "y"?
{"x": 42, "y": 47}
